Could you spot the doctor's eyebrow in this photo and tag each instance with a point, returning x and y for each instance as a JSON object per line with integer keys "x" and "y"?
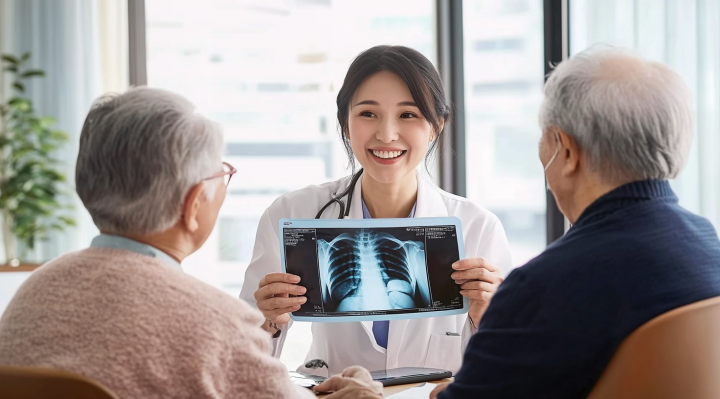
{"x": 373, "y": 102}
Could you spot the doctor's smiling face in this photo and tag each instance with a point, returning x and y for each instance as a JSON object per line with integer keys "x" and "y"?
{"x": 388, "y": 134}
{"x": 391, "y": 110}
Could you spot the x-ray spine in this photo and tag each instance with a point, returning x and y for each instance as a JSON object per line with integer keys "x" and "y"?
{"x": 372, "y": 271}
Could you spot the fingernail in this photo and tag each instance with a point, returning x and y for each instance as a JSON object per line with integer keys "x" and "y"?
{"x": 455, "y": 265}
{"x": 301, "y": 290}
{"x": 302, "y": 299}
{"x": 294, "y": 279}
{"x": 453, "y": 276}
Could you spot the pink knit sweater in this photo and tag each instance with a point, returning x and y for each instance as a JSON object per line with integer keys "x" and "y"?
{"x": 142, "y": 329}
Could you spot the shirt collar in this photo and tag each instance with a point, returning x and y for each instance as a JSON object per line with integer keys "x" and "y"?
{"x": 430, "y": 202}
{"x": 118, "y": 242}
{"x": 627, "y": 195}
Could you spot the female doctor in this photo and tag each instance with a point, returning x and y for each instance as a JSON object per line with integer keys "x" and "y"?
{"x": 391, "y": 110}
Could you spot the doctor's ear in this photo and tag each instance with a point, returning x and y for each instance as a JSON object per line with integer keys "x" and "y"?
{"x": 436, "y": 134}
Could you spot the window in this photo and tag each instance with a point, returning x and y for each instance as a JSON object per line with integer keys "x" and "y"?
{"x": 685, "y": 35}
{"x": 503, "y": 90}
{"x": 269, "y": 71}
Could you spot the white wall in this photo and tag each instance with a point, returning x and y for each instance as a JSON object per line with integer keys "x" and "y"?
{"x": 9, "y": 283}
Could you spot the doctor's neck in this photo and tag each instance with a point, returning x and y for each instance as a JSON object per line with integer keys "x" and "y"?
{"x": 390, "y": 200}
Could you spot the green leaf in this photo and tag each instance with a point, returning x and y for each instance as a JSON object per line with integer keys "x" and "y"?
{"x": 11, "y": 59}
{"x": 14, "y": 101}
{"x": 67, "y": 220}
{"x": 19, "y": 86}
{"x": 32, "y": 72}
{"x": 11, "y": 68}
{"x": 59, "y": 135}
{"x": 25, "y": 56}
{"x": 47, "y": 120}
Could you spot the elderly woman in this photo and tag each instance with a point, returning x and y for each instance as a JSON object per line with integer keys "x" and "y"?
{"x": 615, "y": 129}
{"x": 122, "y": 312}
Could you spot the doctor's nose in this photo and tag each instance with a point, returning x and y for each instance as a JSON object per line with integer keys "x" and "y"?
{"x": 387, "y": 132}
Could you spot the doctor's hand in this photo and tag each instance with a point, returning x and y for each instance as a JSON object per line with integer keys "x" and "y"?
{"x": 478, "y": 280}
{"x": 273, "y": 296}
{"x": 354, "y": 382}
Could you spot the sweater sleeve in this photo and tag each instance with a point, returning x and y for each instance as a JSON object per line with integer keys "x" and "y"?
{"x": 495, "y": 248}
{"x": 262, "y": 376}
{"x": 531, "y": 344}
{"x": 253, "y": 371}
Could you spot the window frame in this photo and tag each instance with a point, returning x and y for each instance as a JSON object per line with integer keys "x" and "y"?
{"x": 557, "y": 49}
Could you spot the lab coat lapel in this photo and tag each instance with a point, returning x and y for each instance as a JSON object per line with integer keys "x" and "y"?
{"x": 395, "y": 342}
{"x": 429, "y": 200}
{"x": 367, "y": 326}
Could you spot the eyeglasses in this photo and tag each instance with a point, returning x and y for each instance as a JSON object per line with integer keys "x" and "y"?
{"x": 226, "y": 174}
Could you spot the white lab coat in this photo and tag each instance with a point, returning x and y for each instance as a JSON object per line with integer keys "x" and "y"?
{"x": 411, "y": 343}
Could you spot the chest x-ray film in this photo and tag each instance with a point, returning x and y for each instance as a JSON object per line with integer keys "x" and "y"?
{"x": 374, "y": 269}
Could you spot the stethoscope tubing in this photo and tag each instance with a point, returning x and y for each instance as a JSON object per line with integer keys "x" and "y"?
{"x": 344, "y": 209}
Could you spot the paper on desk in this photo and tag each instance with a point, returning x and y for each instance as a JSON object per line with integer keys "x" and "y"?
{"x": 418, "y": 392}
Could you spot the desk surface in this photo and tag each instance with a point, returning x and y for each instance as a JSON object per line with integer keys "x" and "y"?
{"x": 399, "y": 388}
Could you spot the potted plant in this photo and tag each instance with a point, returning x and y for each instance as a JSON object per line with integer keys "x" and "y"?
{"x": 30, "y": 182}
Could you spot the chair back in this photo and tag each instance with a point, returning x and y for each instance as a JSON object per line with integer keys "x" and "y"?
{"x": 44, "y": 383}
{"x": 675, "y": 355}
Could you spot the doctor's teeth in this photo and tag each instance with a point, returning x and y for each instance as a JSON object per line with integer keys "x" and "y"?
{"x": 387, "y": 154}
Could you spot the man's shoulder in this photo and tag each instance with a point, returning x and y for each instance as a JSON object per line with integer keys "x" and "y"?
{"x": 661, "y": 248}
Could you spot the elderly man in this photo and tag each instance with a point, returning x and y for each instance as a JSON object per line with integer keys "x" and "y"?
{"x": 122, "y": 312}
{"x": 615, "y": 128}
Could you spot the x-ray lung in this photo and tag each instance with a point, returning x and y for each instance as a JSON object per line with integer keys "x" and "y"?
{"x": 380, "y": 269}
{"x": 371, "y": 270}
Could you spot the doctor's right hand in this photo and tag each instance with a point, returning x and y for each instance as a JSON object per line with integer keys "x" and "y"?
{"x": 273, "y": 296}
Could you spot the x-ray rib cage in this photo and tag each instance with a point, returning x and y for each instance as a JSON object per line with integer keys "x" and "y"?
{"x": 372, "y": 271}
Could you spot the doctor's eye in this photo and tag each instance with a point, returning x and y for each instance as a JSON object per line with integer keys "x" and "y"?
{"x": 407, "y": 115}
{"x": 367, "y": 114}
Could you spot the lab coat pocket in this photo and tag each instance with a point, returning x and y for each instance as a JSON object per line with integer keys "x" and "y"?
{"x": 444, "y": 352}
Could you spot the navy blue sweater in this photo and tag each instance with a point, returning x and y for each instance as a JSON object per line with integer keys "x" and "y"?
{"x": 554, "y": 323}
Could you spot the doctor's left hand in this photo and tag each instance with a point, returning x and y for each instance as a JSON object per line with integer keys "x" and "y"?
{"x": 478, "y": 280}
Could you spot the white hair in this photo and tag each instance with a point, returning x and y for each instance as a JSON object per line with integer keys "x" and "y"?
{"x": 631, "y": 117}
{"x": 140, "y": 154}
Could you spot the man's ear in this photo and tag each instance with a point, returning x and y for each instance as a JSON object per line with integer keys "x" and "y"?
{"x": 569, "y": 152}
{"x": 191, "y": 207}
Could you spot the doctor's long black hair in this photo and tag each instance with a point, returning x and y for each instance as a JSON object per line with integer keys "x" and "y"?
{"x": 418, "y": 73}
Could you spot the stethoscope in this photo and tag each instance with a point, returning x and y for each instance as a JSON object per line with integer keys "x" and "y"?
{"x": 337, "y": 198}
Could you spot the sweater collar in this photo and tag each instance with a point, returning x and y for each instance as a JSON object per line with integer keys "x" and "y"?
{"x": 626, "y": 195}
